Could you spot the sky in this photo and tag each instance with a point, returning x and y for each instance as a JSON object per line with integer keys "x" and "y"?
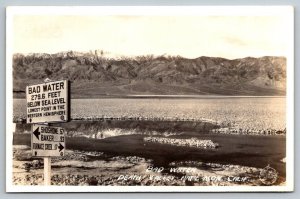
{"x": 187, "y": 36}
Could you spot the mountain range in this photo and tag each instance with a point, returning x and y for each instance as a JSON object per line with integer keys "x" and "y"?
{"x": 93, "y": 75}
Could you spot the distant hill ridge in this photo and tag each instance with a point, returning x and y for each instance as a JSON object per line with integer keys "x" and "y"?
{"x": 94, "y": 75}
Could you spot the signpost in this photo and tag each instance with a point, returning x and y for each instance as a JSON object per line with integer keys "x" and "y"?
{"x": 47, "y": 103}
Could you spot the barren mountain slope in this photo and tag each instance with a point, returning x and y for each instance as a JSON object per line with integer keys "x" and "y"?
{"x": 94, "y": 75}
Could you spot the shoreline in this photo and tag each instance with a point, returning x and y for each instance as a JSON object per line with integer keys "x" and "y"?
{"x": 156, "y": 124}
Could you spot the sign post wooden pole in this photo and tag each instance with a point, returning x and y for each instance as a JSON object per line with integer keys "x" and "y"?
{"x": 47, "y": 171}
{"x": 47, "y": 165}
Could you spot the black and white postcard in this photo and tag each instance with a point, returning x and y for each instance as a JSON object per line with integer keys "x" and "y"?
{"x": 150, "y": 99}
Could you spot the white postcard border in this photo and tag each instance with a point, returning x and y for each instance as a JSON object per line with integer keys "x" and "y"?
{"x": 286, "y": 11}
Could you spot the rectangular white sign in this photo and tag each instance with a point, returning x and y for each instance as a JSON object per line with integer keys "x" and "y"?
{"x": 47, "y": 141}
{"x": 48, "y": 102}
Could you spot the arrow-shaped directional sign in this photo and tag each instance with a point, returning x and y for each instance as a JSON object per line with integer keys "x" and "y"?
{"x": 36, "y": 132}
{"x": 60, "y": 147}
{"x": 47, "y": 141}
